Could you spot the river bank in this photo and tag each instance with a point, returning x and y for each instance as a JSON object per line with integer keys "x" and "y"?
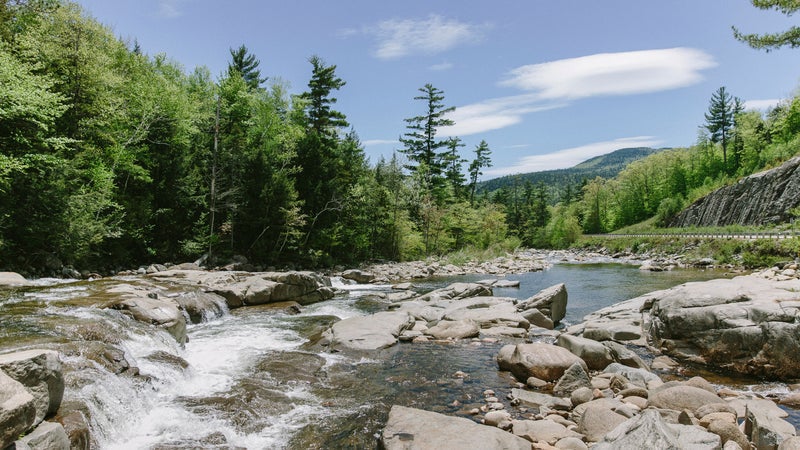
{"x": 250, "y": 381}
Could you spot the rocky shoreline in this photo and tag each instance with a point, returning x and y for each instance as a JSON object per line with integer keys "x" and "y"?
{"x": 583, "y": 386}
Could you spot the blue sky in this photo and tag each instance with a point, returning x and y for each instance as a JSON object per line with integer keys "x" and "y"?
{"x": 547, "y": 84}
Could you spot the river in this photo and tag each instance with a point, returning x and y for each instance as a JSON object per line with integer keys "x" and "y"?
{"x": 253, "y": 379}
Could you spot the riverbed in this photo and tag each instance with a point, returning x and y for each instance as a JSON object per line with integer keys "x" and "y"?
{"x": 252, "y": 378}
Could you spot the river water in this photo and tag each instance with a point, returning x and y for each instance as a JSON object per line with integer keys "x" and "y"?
{"x": 253, "y": 378}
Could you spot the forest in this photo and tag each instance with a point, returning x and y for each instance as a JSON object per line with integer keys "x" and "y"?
{"x": 111, "y": 158}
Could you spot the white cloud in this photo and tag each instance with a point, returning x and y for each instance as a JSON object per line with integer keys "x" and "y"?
{"x": 169, "y": 9}
{"x": 399, "y": 38}
{"x": 441, "y": 67}
{"x": 572, "y": 156}
{"x": 494, "y": 114}
{"x": 373, "y": 142}
{"x": 761, "y": 105}
{"x": 623, "y": 73}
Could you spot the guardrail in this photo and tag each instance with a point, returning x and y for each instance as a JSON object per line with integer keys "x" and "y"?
{"x": 743, "y": 236}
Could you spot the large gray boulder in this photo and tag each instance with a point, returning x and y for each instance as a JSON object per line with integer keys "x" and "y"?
{"x": 681, "y": 398}
{"x": 499, "y": 315}
{"x": 453, "y": 329}
{"x": 543, "y": 361}
{"x": 358, "y": 275}
{"x": 40, "y": 372}
{"x": 574, "y": 378}
{"x": 597, "y": 420}
{"x": 649, "y": 431}
{"x": 765, "y": 427}
{"x": 374, "y": 332}
{"x": 17, "y": 410}
{"x": 457, "y": 291}
{"x": 596, "y": 355}
{"x": 538, "y": 399}
{"x": 541, "y": 431}
{"x": 747, "y": 324}
{"x": 766, "y": 197}
{"x": 47, "y": 436}
{"x": 145, "y": 305}
{"x": 552, "y": 302}
{"x": 416, "y": 429}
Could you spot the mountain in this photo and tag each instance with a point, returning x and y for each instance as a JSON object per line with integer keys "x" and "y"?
{"x": 605, "y": 166}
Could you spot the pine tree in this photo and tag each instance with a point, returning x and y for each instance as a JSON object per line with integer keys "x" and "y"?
{"x": 720, "y": 118}
{"x": 772, "y": 41}
{"x": 481, "y": 160}
{"x": 246, "y": 65}
{"x": 452, "y": 162}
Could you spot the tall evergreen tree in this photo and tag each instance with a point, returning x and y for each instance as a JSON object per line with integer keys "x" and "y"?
{"x": 452, "y": 162}
{"x": 482, "y": 159}
{"x": 421, "y": 145}
{"x": 772, "y": 41}
{"x": 246, "y": 65}
{"x": 720, "y": 118}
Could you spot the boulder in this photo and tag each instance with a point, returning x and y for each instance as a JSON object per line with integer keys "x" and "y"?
{"x": 373, "y": 332}
{"x": 575, "y": 377}
{"x": 765, "y": 428}
{"x": 640, "y": 377}
{"x": 48, "y": 435}
{"x": 728, "y": 431}
{"x": 415, "y": 429}
{"x": 453, "y": 329}
{"x": 201, "y": 306}
{"x": 625, "y": 356}
{"x": 541, "y": 431}
{"x": 17, "y": 410}
{"x": 552, "y": 302}
{"x": 544, "y": 361}
{"x": 537, "y": 399}
{"x": 12, "y": 279}
{"x": 501, "y": 314}
{"x": 596, "y": 355}
{"x": 40, "y": 372}
{"x": 649, "y": 431}
{"x": 359, "y": 276}
{"x": 747, "y": 324}
{"x": 148, "y": 307}
{"x": 682, "y": 397}
{"x": 537, "y": 318}
{"x": 793, "y": 443}
{"x": 457, "y": 291}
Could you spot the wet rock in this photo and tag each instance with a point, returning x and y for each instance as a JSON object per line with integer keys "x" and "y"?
{"x": 201, "y": 306}
{"x": 574, "y": 377}
{"x": 48, "y": 435}
{"x": 542, "y": 431}
{"x": 373, "y": 332}
{"x": 596, "y": 355}
{"x": 453, "y": 329}
{"x": 138, "y": 304}
{"x": 12, "y": 279}
{"x": 293, "y": 366}
{"x": 649, "y": 430}
{"x": 73, "y": 416}
{"x": 17, "y": 410}
{"x": 415, "y": 429}
{"x": 359, "y": 276}
{"x": 543, "y": 361}
{"x": 552, "y": 302}
{"x": 40, "y": 372}
{"x": 682, "y": 397}
{"x": 456, "y": 291}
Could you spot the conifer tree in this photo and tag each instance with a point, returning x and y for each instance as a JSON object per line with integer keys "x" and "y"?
{"x": 772, "y": 41}
{"x": 481, "y": 160}
{"x": 421, "y": 145}
{"x": 720, "y": 118}
{"x": 246, "y": 65}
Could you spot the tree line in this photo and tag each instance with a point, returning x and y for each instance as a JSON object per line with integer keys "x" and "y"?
{"x": 110, "y": 157}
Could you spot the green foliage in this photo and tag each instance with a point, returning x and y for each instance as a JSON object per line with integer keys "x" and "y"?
{"x": 771, "y": 41}
{"x": 246, "y": 66}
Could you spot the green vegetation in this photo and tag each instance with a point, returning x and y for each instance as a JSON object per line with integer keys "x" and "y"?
{"x": 771, "y": 41}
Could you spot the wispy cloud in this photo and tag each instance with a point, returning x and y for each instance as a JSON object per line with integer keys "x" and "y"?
{"x": 623, "y": 73}
{"x": 761, "y": 105}
{"x": 441, "y": 67}
{"x": 494, "y": 114}
{"x": 169, "y": 9}
{"x": 374, "y": 142}
{"x": 435, "y": 34}
{"x": 571, "y": 156}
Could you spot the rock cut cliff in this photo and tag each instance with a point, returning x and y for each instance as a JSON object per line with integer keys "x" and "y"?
{"x": 759, "y": 199}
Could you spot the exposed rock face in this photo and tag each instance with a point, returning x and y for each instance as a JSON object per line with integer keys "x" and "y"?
{"x": 146, "y": 306}
{"x": 758, "y": 199}
{"x": 649, "y": 430}
{"x": 40, "y": 372}
{"x": 48, "y": 435}
{"x": 415, "y": 429}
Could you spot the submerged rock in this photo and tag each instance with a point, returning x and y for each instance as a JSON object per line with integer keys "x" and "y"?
{"x": 416, "y": 429}
{"x": 373, "y": 332}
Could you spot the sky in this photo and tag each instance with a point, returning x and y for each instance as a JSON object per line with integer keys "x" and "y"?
{"x": 547, "y": 84}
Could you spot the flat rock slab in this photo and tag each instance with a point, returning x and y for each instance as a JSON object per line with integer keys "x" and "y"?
{"x": 543, "y": 361}
{"x": 649, "y": 431}
{"x": 416, "y": 429}
{"x": 12, "y": 279}
{"x": 374, "y": 332}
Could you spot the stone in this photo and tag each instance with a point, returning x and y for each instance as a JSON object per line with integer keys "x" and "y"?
{"x": 596, "y": 355}
{"x": 48, "y": 435}
{"x": 495, "y": 418}
{"x": 377, "y": 331}
{"x": 702, "y": 383}
{"x": 537, "y": 318}
{"x": 581, "y": 395}
{"x": 359, "y": 276}
{"x": 40, "y": 372}
{"x": 574, "y": 377}
{"x": 792, "y": 443}
{"x": 663, "y": 362}
{"x": 571, "y": 443}
{"x": 639, "y": 377}
{"x": 625, "y": 356}
{"x": 715, "y": 408}
{"x": 457, "y": 291}
{"x": 535, "y": 383}
{"x": 765, "y": 428}
{"x": 791, "y": 399}
{"x": 12, "y": 279}
{"x": 728, "y": 431}
{"x": 597, "y": 420}
{"x": 496, "y": 312}
{"x": 17, "y": 410}
{"x": 682, "y": 397}
{"x": 541, "y": 431}
{"x": 415, "y": 429}
{"x": 552, "y": 302}
{"x": 201, "y": 306}
{"x": 450, "y": 329}
{"x": 649, "y": 431}
{"x": 543, "y": 361}
{"x": 536, "y": 399}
